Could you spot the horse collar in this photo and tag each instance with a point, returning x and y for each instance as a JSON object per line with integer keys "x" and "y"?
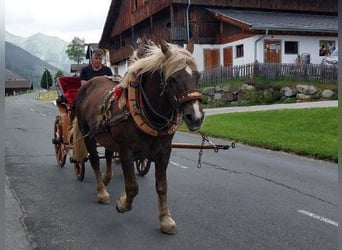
{"x": 135, "y": 107}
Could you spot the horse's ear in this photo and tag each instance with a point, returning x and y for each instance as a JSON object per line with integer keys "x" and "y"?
{"x": 190, "y": 46}
{"x": 164, "y": 47}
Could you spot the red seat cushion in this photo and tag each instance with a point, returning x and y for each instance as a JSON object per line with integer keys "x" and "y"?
{"x": 69, "y": 86}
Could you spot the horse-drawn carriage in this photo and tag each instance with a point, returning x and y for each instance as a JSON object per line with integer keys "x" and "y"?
{"x": 65, "y": 102}
{"x": 67, "y": 91}
{"x": 134, "y": 120}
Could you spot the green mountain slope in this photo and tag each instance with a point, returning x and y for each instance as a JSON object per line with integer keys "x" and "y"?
{"x": 48, "y": 48}
{"x": 25, "y": 64}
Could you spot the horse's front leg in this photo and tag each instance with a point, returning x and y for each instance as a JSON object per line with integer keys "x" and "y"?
{"x": 102, "y": 194}
{"x": 167, "y": 224}
{"x": 108, "y": 175}
{"x": 124, "y": 203}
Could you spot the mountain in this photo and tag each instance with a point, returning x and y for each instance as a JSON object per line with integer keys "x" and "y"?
{"x": 21, "y": 63}
{"x": 48, "y": 48}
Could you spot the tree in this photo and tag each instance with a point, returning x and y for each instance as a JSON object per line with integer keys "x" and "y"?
{"x": 46, "y": 80}
{"x": 58, "y": 74}
{"x": 75, "y": 50}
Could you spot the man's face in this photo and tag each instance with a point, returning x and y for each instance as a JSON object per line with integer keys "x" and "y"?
{"x": 97, "y": 61}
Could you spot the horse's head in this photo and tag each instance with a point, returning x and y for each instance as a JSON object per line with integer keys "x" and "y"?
{"x": 181, "y": 84}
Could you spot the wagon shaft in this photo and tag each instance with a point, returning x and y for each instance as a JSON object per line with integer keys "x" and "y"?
{"x": 200, "y": 146}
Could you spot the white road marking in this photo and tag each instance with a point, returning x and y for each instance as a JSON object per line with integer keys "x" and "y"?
{"x": 32, "y": 109}
{"x": 318, "y": 217}
{"x": 177, "y": 164}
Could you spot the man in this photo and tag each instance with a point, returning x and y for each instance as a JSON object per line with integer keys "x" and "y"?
{"x": 96, "y": 68}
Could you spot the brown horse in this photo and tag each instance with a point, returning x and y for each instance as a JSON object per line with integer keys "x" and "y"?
{"x": 159, "y": 91}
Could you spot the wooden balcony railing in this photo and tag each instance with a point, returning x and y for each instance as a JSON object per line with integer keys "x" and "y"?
{"x": 120, "y": 54}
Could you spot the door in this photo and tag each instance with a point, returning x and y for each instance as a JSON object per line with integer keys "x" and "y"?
{"x": 228, "y": 56}
{"x": 211, "y": 58}
{"x": 272, "y": 51}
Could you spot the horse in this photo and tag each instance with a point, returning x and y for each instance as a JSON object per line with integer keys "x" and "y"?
{"x": 138, "y": 119}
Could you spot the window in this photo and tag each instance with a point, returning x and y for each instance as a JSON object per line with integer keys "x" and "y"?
{"x": 291, "y": 47}
{"x": 239, "y": 50}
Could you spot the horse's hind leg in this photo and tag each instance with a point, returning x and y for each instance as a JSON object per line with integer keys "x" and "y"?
{"x": 124, "y": 203}
{"x": 102, "y": 194}
{"x": 167, "y": 224}
{"x": 108, "y": 175}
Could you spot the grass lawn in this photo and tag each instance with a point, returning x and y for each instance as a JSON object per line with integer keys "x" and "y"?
{"x": 309, "y": 132}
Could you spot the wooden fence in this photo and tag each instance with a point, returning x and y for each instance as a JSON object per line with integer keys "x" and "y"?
{"x": 315, "y": 72}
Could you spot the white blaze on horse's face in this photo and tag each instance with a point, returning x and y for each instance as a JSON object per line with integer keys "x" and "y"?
{"x": 192, "y": 112}
{"x": 198, "y": 113}
{"x": 188, "y": 70}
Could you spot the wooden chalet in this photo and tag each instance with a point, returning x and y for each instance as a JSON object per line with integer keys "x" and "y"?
{"x": 223, "y": 32}
{"x": 17, "y": 86}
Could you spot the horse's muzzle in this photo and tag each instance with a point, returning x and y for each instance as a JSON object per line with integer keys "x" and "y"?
{"x": 193, "y": 115}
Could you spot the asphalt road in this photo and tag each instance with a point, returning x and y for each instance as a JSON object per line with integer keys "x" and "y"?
{"x": 243, "y": 198}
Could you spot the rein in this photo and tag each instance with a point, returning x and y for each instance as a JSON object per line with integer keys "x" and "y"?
{"x": 138, "y": 112}
{"x": 162, "y": 125}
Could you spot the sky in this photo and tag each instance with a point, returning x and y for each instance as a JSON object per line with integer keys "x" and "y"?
{"x": 65, "y": 19}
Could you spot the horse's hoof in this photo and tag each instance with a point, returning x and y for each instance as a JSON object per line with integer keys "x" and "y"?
{"x": 103, "y": 198}
{"x": 117, "y": 209}
{"x": 121, "y": 205}
{"x": 168, "y": 226}
{"x": 104, "y": 202}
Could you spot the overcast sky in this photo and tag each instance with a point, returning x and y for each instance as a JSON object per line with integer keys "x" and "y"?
{"x": 63, "y": 18}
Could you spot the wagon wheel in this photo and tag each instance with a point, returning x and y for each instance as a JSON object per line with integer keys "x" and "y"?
{"x": 57, "y": 141}
{"x": 79, "y": 167}
{"x": 142, "y": 166}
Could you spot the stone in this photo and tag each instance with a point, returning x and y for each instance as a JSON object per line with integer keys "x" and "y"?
{"x": 209, "y": 91}
{"x": 327, "y": 93}
{"x": 229, "y": 97}
{"x": 218, "y": 89}
{"x": 303, "y": 97}
{"x": 288, "y": 92}
{"x": 217, "y": 96}
{"x": 234, "y": 89}
{"x": 247, "y": 87}
{"x": 306, "y": 89}
{"x": 225, "y": 89}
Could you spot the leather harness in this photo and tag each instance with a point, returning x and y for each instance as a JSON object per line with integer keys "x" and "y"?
{"x": 134, "y": 110}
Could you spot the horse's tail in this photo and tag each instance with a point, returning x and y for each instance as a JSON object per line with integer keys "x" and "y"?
{"x": 76, "y": 139}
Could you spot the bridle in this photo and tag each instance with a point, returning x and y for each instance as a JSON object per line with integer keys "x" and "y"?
{"x": 155, "y": 123}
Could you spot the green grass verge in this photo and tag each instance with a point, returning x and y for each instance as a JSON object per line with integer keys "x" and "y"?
{"x": 308, "y": 132}
{"x": 49, "y": 95}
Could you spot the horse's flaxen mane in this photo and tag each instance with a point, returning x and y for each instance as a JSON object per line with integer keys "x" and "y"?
{"x": 176, "y": 58}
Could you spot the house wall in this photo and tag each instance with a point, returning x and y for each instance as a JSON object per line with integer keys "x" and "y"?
{"x": 306, "y": 44}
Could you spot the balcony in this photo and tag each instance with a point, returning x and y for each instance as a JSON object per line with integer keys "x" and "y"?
{"x": 179, "y": 33}
{"x": 119, "y": 55}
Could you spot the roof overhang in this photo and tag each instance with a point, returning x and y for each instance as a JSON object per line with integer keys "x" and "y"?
{"x": 277, "y": 21}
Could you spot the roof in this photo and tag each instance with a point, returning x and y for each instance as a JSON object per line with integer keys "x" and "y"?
{"x": 280, "y": 21}
{"x": 112, "y": 16}
{"x": 18, "y": 84}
